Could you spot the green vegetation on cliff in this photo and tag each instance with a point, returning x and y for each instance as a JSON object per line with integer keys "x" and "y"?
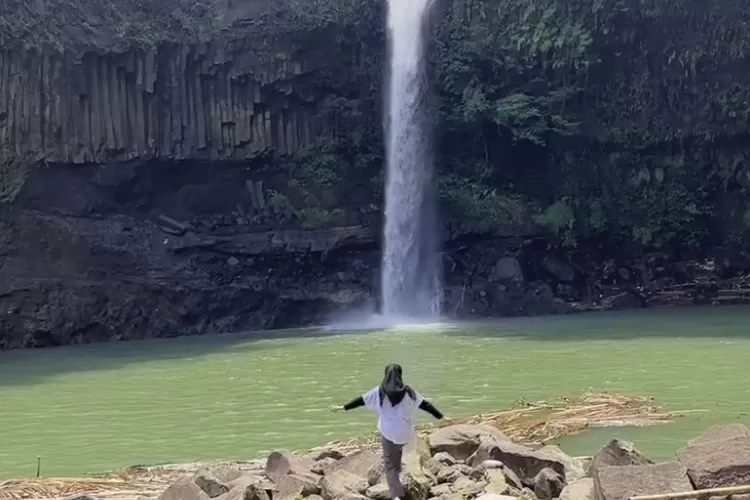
{"x": 609, "y": 120}
{"x": 106, "y": 25}
{"x": 616, "y": 120}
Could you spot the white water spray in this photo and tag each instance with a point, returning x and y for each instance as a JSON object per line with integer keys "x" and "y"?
{"x": 410, "y": 280}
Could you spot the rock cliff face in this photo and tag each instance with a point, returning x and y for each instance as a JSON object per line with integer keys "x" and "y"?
{"x": 198, "y": 166}
{"x": 211, "y": 101}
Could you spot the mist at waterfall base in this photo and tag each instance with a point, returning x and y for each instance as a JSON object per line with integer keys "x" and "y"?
{"x": 410, "y": 282}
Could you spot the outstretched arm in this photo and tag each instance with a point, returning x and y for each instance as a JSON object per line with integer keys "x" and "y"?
{"x": 354, "y": 403}
{"x": 429, "y": 408}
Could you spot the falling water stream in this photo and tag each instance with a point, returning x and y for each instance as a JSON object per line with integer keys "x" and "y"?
{"x": 410, "y": 280}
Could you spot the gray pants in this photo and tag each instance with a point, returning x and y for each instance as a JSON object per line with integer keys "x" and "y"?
{"x": 392, "y": 454}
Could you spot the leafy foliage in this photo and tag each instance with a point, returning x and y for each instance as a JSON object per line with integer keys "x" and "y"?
{"x": 619, "y": 121}
{"x": 106, "y": 24}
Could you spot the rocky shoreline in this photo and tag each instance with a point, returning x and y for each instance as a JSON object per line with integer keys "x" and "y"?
{"x": 455, "y": 462}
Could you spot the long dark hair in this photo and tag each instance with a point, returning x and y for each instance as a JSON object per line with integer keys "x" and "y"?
{"x": 393, "y": 386}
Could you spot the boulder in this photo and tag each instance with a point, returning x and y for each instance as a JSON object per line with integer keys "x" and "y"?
{"x": 251, "y": 492}
{"x": 618, "y": 452}
{"x": 360, "y": 463}
{"x": 416, "y": 485}
{"x": 378, "y": 492}
{"x": 376, "y": 473}
{"x": 496, "y": 481}
{"x": 468, "y": 487}
{"x": 478, "y": 474}
{"x": 444, "y": 458}
{"x": 719, "y": 432}
{"x": 527, "y": 494}
{"x": 714, "y": 464}
{"x": 624, "y": 481}
{"x": 340, "y": 483}
{"x": 244, "y": 480}
{"x": 448, "y": 475}
{"x": 290, "y": 486}
{"x": 574, "y": 468}
{"x": 210, "y": 484}
{"x": 280, "y": 463}
{"x": 503, "y": 475}
{"x": 523, "y": 461}
{"x": 580, "y": 489}
{"x": 184, "y": 489}
{"x": 440, "y": 465}
{"x": 320, "y": 466}
{"x": 548, "y": 484}
{"x": 439, "y": 490}
{"x": 225, "y": 473}
{"x": 559, "y": 269}
{"x": 461, "y": 440}
{"x": 507, "y": 269}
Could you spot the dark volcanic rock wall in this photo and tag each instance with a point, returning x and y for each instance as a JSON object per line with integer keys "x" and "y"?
{"x": 198, "y": 166}
{"x": 212, "y": 101}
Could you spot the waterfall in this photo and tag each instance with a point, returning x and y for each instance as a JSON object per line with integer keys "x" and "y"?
{"x": 410, "y": 273}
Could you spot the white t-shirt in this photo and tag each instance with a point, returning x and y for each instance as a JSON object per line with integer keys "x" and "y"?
{"x": 395, "y": 423}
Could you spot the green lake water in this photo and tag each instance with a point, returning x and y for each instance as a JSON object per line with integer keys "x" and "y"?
{"x": 93, "y": 408}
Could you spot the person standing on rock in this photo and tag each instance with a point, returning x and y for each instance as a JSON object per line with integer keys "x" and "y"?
{"x": 395, "y": 403}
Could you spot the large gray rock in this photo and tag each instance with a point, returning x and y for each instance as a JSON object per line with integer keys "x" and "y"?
{"x": 321, "y": 465}
{"x": 581, "y": 489}
{"x": 523, "y": 461}
{"x": 379, "y": 492}
{"x": 618, "y": 452}
{"x": 290, "y": 486}
{"x": 714, "y": 464}
{"x": 250, "y": 492}
{"x": 416, "y": 485}
{"x": 223, "y": 473}
{"x": 184, "y": 489}
{"x": 574, "y": 468}
{"x": 439, "y": 490}
{"x": 280, "y": 463}
{"x": 210, "y": 484}
{"x": 448, "y": 474}
{"x": 559, "y": 269}
{"x": 363, "y": 463}
{"x": 461, "y": 440}
{"x": 548, "y": 484}
{"x": 244, "y": 480}
{"x": 468, "y": 487}
{"x": 444, "y": 458}
{"x": 719, "y": 432}
{"x": 500, "y": 479}
{"x": 497, "y": 482}
{"x": 507, "y": 268}
{"x": 340, "y": 484}
{"x": 620, "y": 482}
